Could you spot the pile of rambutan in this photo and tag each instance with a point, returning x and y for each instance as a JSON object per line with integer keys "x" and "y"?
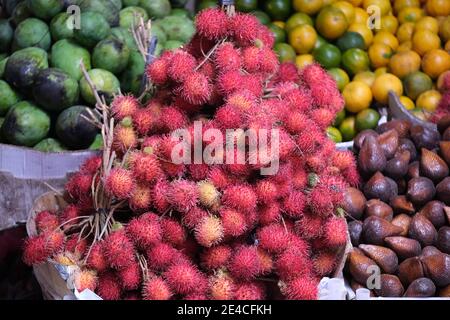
{"x": 210, "y": 231}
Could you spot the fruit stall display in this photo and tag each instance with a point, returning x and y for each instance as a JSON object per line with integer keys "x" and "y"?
{"x": 43, "y": 97}
{"x": 400, "y": 220}
{"x": 138, "y": 226}
{"x": 408, "y": 51}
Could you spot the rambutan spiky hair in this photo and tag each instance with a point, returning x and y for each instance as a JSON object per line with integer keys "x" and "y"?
{"x": 35, "y": 250}
{"x": 120, "y": 183}
{"x": 196, "y": 88}
{"x": 118, "y": 249}
{"x": 181, "y": 65}
{"x": 108, "y": 286}
{"x": 216, "y": 257}
{"x": 234, "y": 222}
{"x": 130, "y": 276}
{"x": 156, "y": 288}
{"x": 269, "y": 213}
{"x": 146, "y": 167}
{"x": 46, "y": 221}
{"x": 301, "y": 288}
{"x": 221, "y": 287}
{"x": 250, "y": 291}
{"x": 227, "y": 57}
{"x": 335, "y": 232}
{"x": 79, "y": 185}
{"x": 161, "y": 255}
{"x": 209, "y": 231}
{"x": 173, "y": 118}
{"x": 145, "y": 230}
{"x": 160, "y": 190}
{"x": 242, "y": 27}
{"x": 212, "y": 23}
{"x": 85, "y": 279}
{"x": 324, "y": 263}
{"x": 183, "y": 278}
{"x": 96, "y": 259}
{"x": 141, "y": 198}
{"x": 183, "y": 195}
{"x": 240, "y": 196}
{"x": 124, "y": 106}
{"x": 173, "y": 232}
{"x": 244, "y": 263}
{"x": 125, "y": 138}
{"x": 273, "y": 237}
{"x": 91, "y": 165}
{"x": 158, "y": 71}
{"x": 294, "y": 204}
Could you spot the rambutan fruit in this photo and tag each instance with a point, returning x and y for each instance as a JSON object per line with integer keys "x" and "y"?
{"x": 181, "y": 64}
{"x": 234, "y": 223}
{"x": 253, "y": 83}
{"x": 294, "y": 204}
{"x": 299, "y": 99}
{"x": 161, "y": 255}
{"x": 268, "y": 61}
{"x": 196, "y": 88}
{"x": 324, "y": 263}
{"x": 293, "y": 263}
{"x": 108, "y": 287}
{"x": 124, "y": 106}
{"x": 249, "y": 291}
{"x": 160, "y": 190}
{"x": 269, "y": 213}
{"x": 242, "y": 27}
{"x": 183, "y": 278}
{"x": 91, "y": 165}
{"x": 209, "y": 231}
{"x": 301, "y": 288}
{"x": 286, "y": 145}
{"x": 208, "y": 194}
{"x": 296, "y": 122}
{"x": 124, "y": 138}
{"x": 343, "y": 159}
{"x": 230, "y": 82}
{"x": 335, "y": 232}
{"x": 228, "y": 117}
{"x": 352, "y": 176}
{"x": 208, "y": 69}
{"x": 212, "y": 23}
{"x": 76, "y": 245}
{"x": 198, "y": 171}
{"x": 79, "y": 185}
{"x": 172, "y": 119}
{"x": 118, "y": 249}
{"x": 288, "y": 72}
{"x": 320, "y": 201}
{"x": 266, "y": 36}
{"x": 146, "y": 167}
{"x": 273, "y": 237}
{"x": 130, "y": 276}
{"x": 35, "y": 250}
{"x": 239, "y": 196}
{"x": 322, "y": 117}
{"x": 145, "y": 230}
{"x": 215, "y": 257}
{"x": 218, "y": 177}
{"x": 309, "y": 140}
{"x": 54, "y": 241}
{"x": 96, "y": 259}
{"x": 243, "y": 100}
{"x": 309, "y": 226}
{"x": 244, "y": 263}
{"x": 173, "y": 232}
{"x": 183, "y": 195}
{"x": 156, "y": 288}
{"x": 227, "y": 58}
{"x": 300, "y": 178}
{"x": 141, "y": 198}
{"x": 221, "y": 287}
{"x": 251, "y": 59}
{"x": 191, "y": 218}
{"x": 266, "y": 190}
{"x": 120, "y": 183}
{"x": 157, "y": 72}
{"x": 199, "y": 45}
{"x": 46, "y": 221}
{"x": 85, "y": 279}
{"x": 265, "y": 261}
{"x": 143, "y": 121}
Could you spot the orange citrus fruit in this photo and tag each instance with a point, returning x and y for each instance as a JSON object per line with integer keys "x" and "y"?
{"x": 368, "y": 77}
{"x": 438, "y": 7}
{"x": 364, "y": 31}
{"x": 389, "y": 24}
{"x": 361, "y": 16}
{"x": 385, "y": 83}
{"x": 355, "y": 3}
{"x": 347, "y": 9}
{"x": 384, "y": 5}
{"x": 404, "y": 63}
{"x": 357, "y": 96}
{"x": 410, "y": 14}
{"x": 424, "y": 41}
{"x": 400, "y": 4}
{"x": 379, "y": 71}
{"x": 310, "y": 7}
{"x": 427, "y": 23}
{"x": 444, "y": 29}
{"x": 405, "y": 46}
{"x": 407, "y": 103}
{"x": 304, "y": 60}
{"x": 331, "y": 23}
{"x": 435, "y": 62}
{"x": 405, "y": 32}
{"x": 428, "y": 100}
{"x": 280, "y": 24}
{"x": 379, "y": 54}
{"x": 303, "y": 38}
{"x": 386, "y": 38}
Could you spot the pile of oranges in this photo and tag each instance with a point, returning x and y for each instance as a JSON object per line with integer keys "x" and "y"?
{"x": 405, "y": 49}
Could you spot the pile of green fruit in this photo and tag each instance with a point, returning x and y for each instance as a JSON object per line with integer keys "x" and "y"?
{"x": 43, "y": 94}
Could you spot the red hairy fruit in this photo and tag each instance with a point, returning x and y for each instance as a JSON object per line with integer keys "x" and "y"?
{"x": 288, "y": 72}
{"x": 244, "y": 263}
{"x": 130, "y": 277}
{"x": 191, "y": 218}
{"x": 124, "y": 138}
{"x": 343, "y": 160}
{"x": 161, "y": 255}
{"x": 198, "y": 171}
{"x": 251, "y": 59}
{"x": 269, "y": 213}
{"x": 294, "y": 204}
{"x": 250, "y": 291}
{"x": 146, "y": 167}
{"x": 183, "y": 195}
{"x": 120, "y": 183}
{"x": 143, "y": 121}
{"x": 196, "y": 89}
{"x": 266, "y": 190}
{"x": 266, "y": 36}
{"x": 160, "y": 191}
{"x": 158, "y": 71}
{"x": 230, "y": 82}
{"x": 320, "y": 202}
{"x": 299, "y": 100}
{"x": 243, "y": 100}
{"x": 118, "y": 249}
{"x": 145, "y": 230}
{"x": 243, "y": 27}
{"x": 234, "y": 223}
{"x": 156, "y": 288}
{"x": 76, "y": 245}
{"x": 91, "y": 165}
{"x": 265, "y": 261}
{"x": 309, "y": 226}
{"x": 96, "y": 259}
{"x": 228, "y": 117}
{"x": 227, "y": 57}
{"x": 141, "y": 198}
{"x": 108, "y": 286}
{"x": 273, "y": 237}
{"x": 173, "y": 232}
{"x": 240, "y": 196}
{"x": 35, "y": 250}
{"x": 212, "y": 23}
{"x": 173, "y": 118}
{"x": 292, "y": 263}
{"x": 218, "y": 177}
{"x": 208, "y": 194}
{"x": 69, "y": 215}
{"x": 335, "y": 232}
{"x": 79, "y": 185}
{"x": 124, "y": 106}
{"x": 322, "y": 117}
{"x": 324, "y": 263}
{"x": 301, "y": 288}
{"x": 268, "y": 61}
{"x": 85, "y": 279}
{"x": 295, "y": 122}
{"x": 181, "y": 65}
{"x": 221, "y": 287}
{"x": 209, "y": 231}
{"x": 46, "y": 221}
{"x": 215, "y": 257}
{"x": 183, "y": 278}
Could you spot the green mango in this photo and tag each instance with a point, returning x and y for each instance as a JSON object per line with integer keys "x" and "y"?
{"x": 178, "y": 28}
{"x": 156, "y": 8}
{"x": 132, "y": 76}
{"x": 50, "y": 145}
{"x": 20, "y": 13}
{"x": 8, "y": 97}
{"x": 6, "y": 35}
{"x": 93, "y": 28}
{"x": 131, "y": 16}
{"x": 32, "y": 32}
{"x": 73, "y": 130}
{"x": 124, "y": 35}
{"x": 104, "y": 81}
{"x": 109, "y": 9}
{"x": 111, "y": 54}
{"x": 45, "y": 9}
{"x": 67, "y": 56}
{"x": 59, "y": 28}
